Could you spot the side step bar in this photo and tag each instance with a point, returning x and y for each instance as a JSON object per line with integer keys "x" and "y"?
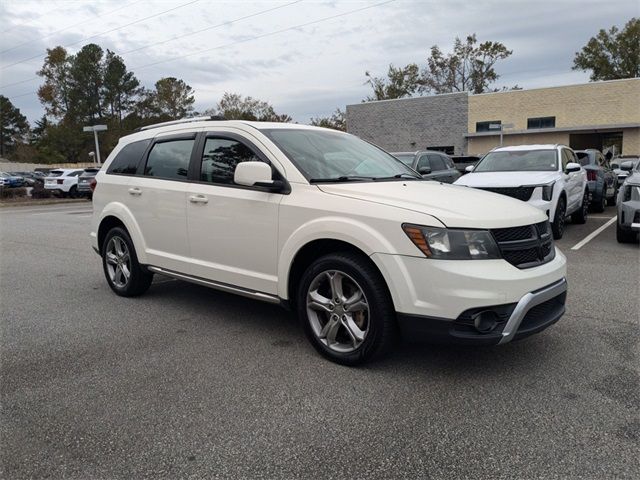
{"x": 265, "y": 297}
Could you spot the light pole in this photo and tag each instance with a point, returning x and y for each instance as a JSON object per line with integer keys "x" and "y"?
{"x": 95, "y": 129}
{"x": 501, "y": 127}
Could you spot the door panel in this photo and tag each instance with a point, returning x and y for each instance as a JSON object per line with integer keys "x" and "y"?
{"x": 157, "y": 200}
{"x": 233, "y": 230}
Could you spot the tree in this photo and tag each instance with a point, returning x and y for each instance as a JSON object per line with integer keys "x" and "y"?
{"x": 612, "y": 54}
{"x": 86, "y": 77}
{"x": 469, "y": 68}
{"x": 54, "y": 93}
{"x": 13, "y": 126}
{"x": 400, "y": 82}
{"x": 173, "y": 97}
{"x": 120, "y": 87}
{"x": 337, "y": 121}
{"x": 233, "y": 106}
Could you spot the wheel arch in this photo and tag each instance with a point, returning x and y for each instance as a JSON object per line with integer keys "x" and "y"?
{"x": 115, "y": 215}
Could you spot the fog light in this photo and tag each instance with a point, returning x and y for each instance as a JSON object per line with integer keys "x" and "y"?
{"x": 485, "y": 321}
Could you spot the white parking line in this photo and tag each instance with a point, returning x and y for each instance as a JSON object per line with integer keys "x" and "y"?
{"x": 66, "y": 212}
{"x": 593, "y": 235}
{"x": 62, "y": 208}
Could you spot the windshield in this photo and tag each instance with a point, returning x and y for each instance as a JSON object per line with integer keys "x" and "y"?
{"x": 332, "y": 156}
{"x": 406, "y": 158}
{"x": 519, "y": 160}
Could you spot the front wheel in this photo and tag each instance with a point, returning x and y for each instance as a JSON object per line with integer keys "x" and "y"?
{"x": 557, "y": 227}
{"x": 580, "y": 215}
{"x": 346, "y": 309}
{"x": 124, "y": 274}
{"x": 625, "y": 236}
{"x": 601, "y": 204}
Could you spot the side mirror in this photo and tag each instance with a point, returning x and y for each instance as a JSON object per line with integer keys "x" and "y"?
{"x": 626, "y": 166}
{"x": 572, "y": 167}
{"x": 255, "y": 174}
{"x": 424, "y": 170}
{"x": 469, "y": 168}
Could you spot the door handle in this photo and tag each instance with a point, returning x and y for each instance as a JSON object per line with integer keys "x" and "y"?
{"x": 198, "y": 199}
{"x": 135, "y": 191}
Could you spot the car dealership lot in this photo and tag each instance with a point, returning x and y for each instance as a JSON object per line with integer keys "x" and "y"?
{"x": 189, "y": 382}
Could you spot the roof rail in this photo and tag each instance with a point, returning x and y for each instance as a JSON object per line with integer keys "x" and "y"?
{"x": 182, "y": 120}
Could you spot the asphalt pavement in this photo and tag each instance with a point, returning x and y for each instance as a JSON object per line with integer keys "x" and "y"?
{"x": 187, "y": 382}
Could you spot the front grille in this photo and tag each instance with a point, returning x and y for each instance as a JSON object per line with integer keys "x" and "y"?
{"x": 526, "y": 246}
{"x": 521, "y": 193}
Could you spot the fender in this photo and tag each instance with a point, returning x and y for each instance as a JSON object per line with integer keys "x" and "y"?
{"x": 351, "y": 231}
{"x": 122, "y": 213}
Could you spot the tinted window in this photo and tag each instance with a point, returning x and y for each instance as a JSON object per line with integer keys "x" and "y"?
{"x": 541, "y": 122}
{"x": 423, "y": 162}
{"x": 170, "y": 159}
{"x": 127, "y": 160}
{"x": 407, "y": 159}
{"x": 567, "y": 157}
{"x": 437, "y": 163}
{"x": 484, "y": 126}
{"x": 583, "y": 158}
{"x": 220, "y": 158}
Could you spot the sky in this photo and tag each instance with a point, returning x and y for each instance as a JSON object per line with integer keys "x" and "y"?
{"x": 306, "y": 57}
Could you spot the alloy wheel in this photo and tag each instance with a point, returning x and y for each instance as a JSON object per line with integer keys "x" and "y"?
{"x": 118, "y": 260}
{"x": 338, "y": 311}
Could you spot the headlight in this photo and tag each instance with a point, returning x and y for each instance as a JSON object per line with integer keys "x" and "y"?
{"x": 452, "y": 244}
{"x": 547, "y": 191}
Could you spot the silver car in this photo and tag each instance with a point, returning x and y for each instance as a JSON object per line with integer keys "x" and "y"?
{"x": 628, "y": 224}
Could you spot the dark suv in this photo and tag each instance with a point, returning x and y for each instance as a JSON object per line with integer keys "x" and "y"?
{"x": 603, "y": 182}
{"x": 432, "y": 165}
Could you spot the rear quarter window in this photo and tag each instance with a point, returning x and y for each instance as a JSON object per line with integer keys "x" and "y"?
{"x": 128, "y": 159}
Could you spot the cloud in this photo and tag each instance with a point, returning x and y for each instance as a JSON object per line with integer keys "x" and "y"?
{"x": 304, "y": 71}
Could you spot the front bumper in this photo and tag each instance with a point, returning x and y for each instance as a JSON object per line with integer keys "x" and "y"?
{"x": 629, "y": 215}
{"x": 533, "y": 313}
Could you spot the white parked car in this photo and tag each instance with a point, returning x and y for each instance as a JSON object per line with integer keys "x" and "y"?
{"x": 63, "y": 181}
{"x": 357, "y": 243}
{"x": 547, "y": 177}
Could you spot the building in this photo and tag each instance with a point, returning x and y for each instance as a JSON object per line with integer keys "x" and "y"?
{"x": 602, "y": 115}
{"x": 438, "y": 122}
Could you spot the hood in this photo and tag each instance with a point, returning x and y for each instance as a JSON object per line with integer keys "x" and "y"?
{"x": 633, "y": 179}
{"x": 453, "y": 205}
{"x": 506, "y": 179}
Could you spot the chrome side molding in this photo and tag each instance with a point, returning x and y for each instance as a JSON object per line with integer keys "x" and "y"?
{"x": 265, "y": 297}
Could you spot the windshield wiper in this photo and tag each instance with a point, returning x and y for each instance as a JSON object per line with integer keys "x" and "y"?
{"x": 401, "y": 175}
{"x": 343, "y": 178}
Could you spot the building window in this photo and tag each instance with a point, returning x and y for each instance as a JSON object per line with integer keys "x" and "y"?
{"x": 484, "y": 126}
{"x": 541, "y": 122}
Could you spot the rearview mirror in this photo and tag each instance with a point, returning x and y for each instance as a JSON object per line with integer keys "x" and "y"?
{"x": 626, "y": 166}
{"x": 572, "y": 167}
{"x": 424, "y": 170}
{"x": 469, "y": 168}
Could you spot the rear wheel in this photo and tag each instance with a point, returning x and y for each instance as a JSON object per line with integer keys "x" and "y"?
{"x": 124, "y": 274}
{"x": 559, "y": 220}
{"x": 73, "y": 192}
{"x": 614, "y": 199}
{"x": 625, "y": 236}
{"x": 601, "y": 204}
{"x": 580, "y": 215}
{"x": 346, "y": 309}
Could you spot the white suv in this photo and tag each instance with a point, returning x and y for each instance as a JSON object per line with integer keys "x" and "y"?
{"x": 548, "y": 177}
{"x": 329, "y": 225}
{"x": 63, "y": 181}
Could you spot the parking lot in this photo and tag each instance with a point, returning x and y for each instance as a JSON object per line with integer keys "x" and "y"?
{"x": 189, "y": 382}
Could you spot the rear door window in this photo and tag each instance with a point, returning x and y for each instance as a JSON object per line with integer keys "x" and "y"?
{"x": 128, "y": 159}
{"x": 169, "y": 160}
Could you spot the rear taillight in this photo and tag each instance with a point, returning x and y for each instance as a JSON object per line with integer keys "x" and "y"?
{"x": 592, "y": 175}
{"x": 92, "y": 184}
{"x": 60, "y": 182}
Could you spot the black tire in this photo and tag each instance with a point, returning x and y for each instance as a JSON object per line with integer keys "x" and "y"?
{"x": 614, "y": 199}
{"x": 625, "y": 236}
{"x": 139, "y": 278}
{"x": 601, "y": 204}
{"x": 580, "y": 215}
{"x": 380, "y": 316}
{"x": 559, "y": 220}
{"x": 73, "y": 192}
